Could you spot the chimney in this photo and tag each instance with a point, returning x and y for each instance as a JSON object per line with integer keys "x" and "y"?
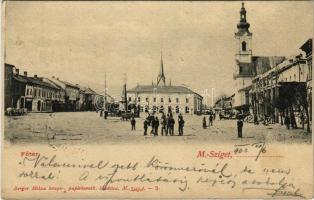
{"x": 17, "y": 70}
{"x": 25, "y": 73}
{"x": 35, "y": 76}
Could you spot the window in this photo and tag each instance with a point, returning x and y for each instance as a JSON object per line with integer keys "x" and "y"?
{"x": 154, "y": 99}
{"x": 27, "y": 92}
{"x": 35, "y": 92}
{"x": 169, "y": 100}
{"x": 240, "y": 69}
{"x": 187, "y": 100}
{"x": 177, "y": 100}
{"x": 243, "y": 46}
{"x": 139, "y": 100}
{"x": 147, "y": 99}
{"x": 187, "y": 109}
{"x": 161, "y": 100}
{"x": 129, "y": 98}
{"x": 295, "y": 77}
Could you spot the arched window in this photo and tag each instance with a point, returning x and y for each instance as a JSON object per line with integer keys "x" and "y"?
{"x": 243, "y": 46}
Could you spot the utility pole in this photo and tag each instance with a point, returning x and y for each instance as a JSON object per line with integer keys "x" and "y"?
{"x": 105, "y": 98}
{"x": 125, "y": 94}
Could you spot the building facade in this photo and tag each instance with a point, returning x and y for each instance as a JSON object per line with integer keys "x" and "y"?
{"x": 32, "y": 93}
{"x": 71, "y": 96}
{"x": 14, "y": 87}
{"x": 307, "y": 49}
{"x": 87, "y": 98}
{"x": 176, "y": 99}
{"x": 40, "y": 94}
{"x": 165, "y": 98}
{"x": 58, "y": 102}
{"x": 247, "y": 66}
{"x": 267, "y": 93}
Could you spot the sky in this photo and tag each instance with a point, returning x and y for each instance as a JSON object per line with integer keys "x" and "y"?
{"x": 80, "y": 42}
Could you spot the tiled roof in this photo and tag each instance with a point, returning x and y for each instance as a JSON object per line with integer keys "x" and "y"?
{"x": 70, "y": 84}
{"x": 33, "y": 80}
{"x": 162, "y": 89}
{"x": 261, "y": 64}
{"x": 20, "y": 79}
{"x": 52, "y": 83}
{"x": 37, "y": 81}
{"x": 307, "y": 46}
{"x": 88, "y": 91}
{"x": 264, "y": 63}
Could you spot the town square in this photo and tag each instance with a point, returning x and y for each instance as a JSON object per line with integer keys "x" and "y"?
{"x": 73, "y": 128}
{"x": 160, "y": 91}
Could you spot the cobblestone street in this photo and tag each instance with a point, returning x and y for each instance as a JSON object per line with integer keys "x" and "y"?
{"x": 89, "y": 127}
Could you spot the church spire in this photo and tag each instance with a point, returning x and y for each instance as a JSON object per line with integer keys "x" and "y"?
{"x": 161, "y": 76}
{"x": 243, "y": 26}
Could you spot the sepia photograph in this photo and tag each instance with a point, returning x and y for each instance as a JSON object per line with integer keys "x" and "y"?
{"x": 187, "y": 81}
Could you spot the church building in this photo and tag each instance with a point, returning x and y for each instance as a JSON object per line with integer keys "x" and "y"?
{"x": 161, "y": 97}
{"x": 248, "y": 66}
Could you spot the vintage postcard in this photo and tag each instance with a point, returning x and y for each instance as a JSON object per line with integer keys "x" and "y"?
{"x": 146, "y": 99}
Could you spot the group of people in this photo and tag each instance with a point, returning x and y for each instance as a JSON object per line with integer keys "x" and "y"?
{"x": 290, "y": 121}
{"x": 210, "y": 120}
{"x": 166, "y": 124}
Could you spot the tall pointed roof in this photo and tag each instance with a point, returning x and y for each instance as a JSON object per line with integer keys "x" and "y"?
{"x": 243, "y": 26}
{"x": 161, "y": 76}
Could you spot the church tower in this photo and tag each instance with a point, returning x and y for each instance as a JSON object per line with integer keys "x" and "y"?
{"x": 161, "y": 79}
{"x": 243, "y": 39}
{"x": 244, "y": 69}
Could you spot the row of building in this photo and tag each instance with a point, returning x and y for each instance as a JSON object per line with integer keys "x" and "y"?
{"x": 273, "y": 86}
{"x": 41, "y": 94}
